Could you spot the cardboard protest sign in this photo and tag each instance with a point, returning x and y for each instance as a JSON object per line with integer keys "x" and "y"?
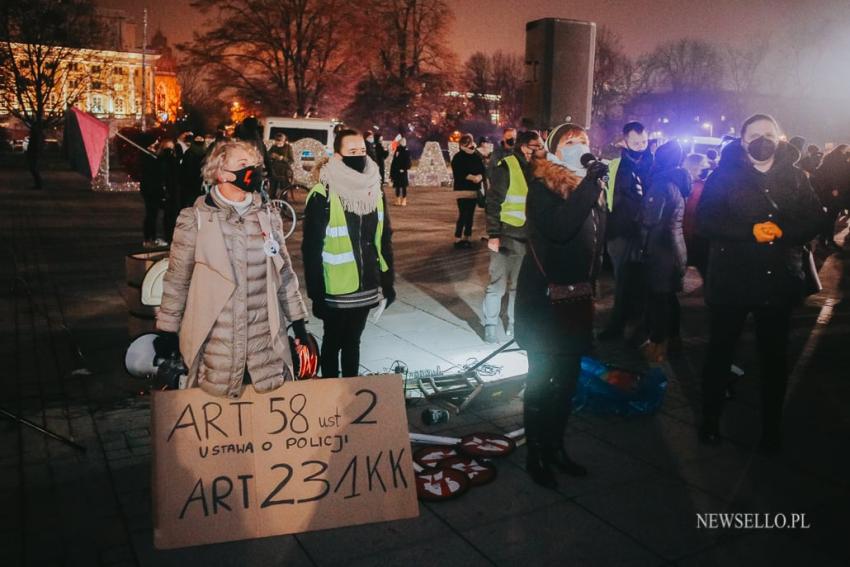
{"x": 310, "y": 455}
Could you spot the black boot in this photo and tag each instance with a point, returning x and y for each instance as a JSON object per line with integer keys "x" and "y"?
{"x": 535, "y": 463}
{"x": 561, "y": 461}
{"x": 537, "y": 466}
{"x": 558, "y": 409}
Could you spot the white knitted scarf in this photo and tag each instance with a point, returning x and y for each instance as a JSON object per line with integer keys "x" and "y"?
{"x": 359, "y": 192}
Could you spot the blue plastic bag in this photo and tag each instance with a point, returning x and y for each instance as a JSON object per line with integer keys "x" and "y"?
{"x": 605, "y": 390}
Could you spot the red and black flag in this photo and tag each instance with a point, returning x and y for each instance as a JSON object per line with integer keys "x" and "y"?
{"x": 85, "y": 141}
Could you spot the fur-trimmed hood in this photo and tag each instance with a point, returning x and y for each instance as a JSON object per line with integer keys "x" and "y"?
{"x": 557, "y": 178}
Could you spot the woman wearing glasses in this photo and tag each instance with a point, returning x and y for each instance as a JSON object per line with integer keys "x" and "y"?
{"x": 347, "y": 251}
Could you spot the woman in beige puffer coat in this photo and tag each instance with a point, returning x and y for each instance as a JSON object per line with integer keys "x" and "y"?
{"x": 230, "y": 287}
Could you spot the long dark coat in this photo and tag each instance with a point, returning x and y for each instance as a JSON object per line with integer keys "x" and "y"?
{"x": 400, "y": 166}
{"x": 566, "y": 223}
{"x": 663, "y": 210}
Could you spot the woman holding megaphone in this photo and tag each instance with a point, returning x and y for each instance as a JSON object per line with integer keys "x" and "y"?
{"x": 230, "y": 288}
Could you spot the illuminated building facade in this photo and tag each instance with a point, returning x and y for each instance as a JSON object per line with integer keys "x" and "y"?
{"x": 107, "y": 82}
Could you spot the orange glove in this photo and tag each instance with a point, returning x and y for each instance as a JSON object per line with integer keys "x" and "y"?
{"x": 766, "y": 232}
{"x": 773, "y": 227}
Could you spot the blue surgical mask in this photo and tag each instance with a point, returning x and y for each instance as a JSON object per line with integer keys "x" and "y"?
{"x": 570, "y": 157}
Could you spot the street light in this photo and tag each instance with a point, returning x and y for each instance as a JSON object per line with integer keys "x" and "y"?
{"x": 710, "y": 127}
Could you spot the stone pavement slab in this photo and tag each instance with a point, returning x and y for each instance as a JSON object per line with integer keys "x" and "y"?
{"x": 64, "y": 328}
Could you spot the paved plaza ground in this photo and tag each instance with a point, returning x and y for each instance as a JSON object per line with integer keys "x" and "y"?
{"x": 64, "y": 327}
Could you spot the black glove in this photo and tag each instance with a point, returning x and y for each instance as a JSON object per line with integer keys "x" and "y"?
{"x": 168, "y": 361}
{"x": 320, "y": 308}
{"x": 597, "y": 170}
{"x": 166, "y": 345}
{"x": 299, "y": 329}
{"x": 389, "y": 295}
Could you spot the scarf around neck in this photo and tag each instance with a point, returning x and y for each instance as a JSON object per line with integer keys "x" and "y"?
{"x": 359, "y": 192}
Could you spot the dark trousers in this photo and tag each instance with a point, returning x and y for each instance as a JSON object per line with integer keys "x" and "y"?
{"x": 401, "y": 190}
{"x": 628, "y": 284}
{"x": 169, "y": 217}
{"x": 465, "y": 216}
{"x": 547, "y": 402}
{"x": 343, "y": 328}
{"x": 153, "y": 203}
{"x": 663, "y": 314}
{"x": 773, "y": 325}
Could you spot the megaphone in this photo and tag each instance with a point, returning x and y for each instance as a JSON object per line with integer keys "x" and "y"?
{"x": 143, "y": 361}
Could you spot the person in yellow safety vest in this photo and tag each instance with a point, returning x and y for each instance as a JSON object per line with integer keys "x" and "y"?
{"x": 505, "y": 209}
{"x": 627, "y": 181}
{"x": 347, "y": 251}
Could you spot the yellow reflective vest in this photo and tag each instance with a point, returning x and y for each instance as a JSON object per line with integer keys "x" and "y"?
{"x": 513, "y": 207}
{"x": 338, "y": 261}
{"x": 613, "y": 166}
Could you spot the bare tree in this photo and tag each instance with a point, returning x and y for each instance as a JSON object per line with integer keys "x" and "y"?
{"x": 413, "y": 68}
{"x": 616, "y": 80}
{"x": 200, "y": 101}
{"x": 686, "y": 65}
{"x": 509, "y": 84}
{"x": 613, "y": 75}
{"x": 414, "y": 36}
{"x": 743, "y": 63}
{"x": 742, "y": 71}
{"x": 286, "y": 54}
{"x": 40, "y": 43}
{"x": 478, "y": 79}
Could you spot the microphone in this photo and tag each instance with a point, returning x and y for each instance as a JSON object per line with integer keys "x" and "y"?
{"x": 589, "y": 161}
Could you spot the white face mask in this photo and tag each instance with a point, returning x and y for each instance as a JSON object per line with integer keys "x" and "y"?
{"x": 570, "y": 157}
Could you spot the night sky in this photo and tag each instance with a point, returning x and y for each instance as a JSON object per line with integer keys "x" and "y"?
{"x": 822, "y": 26}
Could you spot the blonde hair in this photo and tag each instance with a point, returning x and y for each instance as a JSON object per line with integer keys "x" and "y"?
{"x": 214, "y": 162}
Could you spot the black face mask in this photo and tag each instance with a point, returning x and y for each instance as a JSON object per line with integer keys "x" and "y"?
{"x": 634, "y": 154}
{"x": 509, "y": 142}
{"x": 248, "y": 179}
{"x": 357, "y": 163}
{"x": 761, "y": 149}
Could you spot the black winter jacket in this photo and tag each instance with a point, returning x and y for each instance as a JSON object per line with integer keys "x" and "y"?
{"x": 664, "y": 253}
{"x": 400, "y": 166}
{"x": 361, "y": 230}
{"x": 567, "y": 236}
{"x": 742, "y": 271}
{"x": 464, "y": 164}
{"x": 629, "y": 187}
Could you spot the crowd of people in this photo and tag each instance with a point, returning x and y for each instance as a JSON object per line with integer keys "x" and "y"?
{"x": 171, "y": 172}
{"x": 744, "y": 217}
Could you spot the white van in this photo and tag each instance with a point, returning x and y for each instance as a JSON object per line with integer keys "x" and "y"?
{"x": 299, "y": 128}
{"x": 700, "y": 144}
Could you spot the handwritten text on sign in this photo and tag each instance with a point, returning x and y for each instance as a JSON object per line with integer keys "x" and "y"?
{"x": 311, "y": 455}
